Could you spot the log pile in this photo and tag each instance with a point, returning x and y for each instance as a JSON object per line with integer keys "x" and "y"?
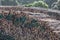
{"x": 23, "y": 25}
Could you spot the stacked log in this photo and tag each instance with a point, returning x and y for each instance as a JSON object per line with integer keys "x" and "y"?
{"x": 24, "y": 27}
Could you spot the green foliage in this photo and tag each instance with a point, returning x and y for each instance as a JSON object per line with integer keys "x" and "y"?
{"x": 33, "y": 23}
{"x": 26, "y": 1}
{"x": 5, "y": 37}
{"x": 28, "y": 5}
{"x": 1, "y": 16}
{"x": 16, "y": 21}
{"x": 9, "y": 2}
{"x": 40, "y": 4}
{"x": 33, "y": 3}
{"x": 20, "y": 20}
{"x": 16, "y": 2}
{"x": 42, "y": 28}
{"x": 9, "y": 17}
{"x": 37, "y": 4}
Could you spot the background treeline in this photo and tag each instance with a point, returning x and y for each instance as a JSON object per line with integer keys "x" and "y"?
{"x": 54, "y": 4}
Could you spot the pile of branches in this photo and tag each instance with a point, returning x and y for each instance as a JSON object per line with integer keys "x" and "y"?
{"x": 53, "y": 13}
{"x": 23, "y": 27}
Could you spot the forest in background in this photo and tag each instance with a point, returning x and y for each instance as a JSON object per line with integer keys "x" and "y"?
{"x": 54, "y": 4}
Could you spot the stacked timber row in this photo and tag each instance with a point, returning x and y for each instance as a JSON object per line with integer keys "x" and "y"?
{"x": 21, "y": 26}
{"x": 53, "y": 13}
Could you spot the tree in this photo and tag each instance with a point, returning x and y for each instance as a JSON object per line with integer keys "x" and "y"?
{"x": 38, "y": 4}
{"x": 9, "y": 2}
{"x": 26, "y": 1}
{"x": 50, "y": 2}
{"x": 56, "y": 5}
